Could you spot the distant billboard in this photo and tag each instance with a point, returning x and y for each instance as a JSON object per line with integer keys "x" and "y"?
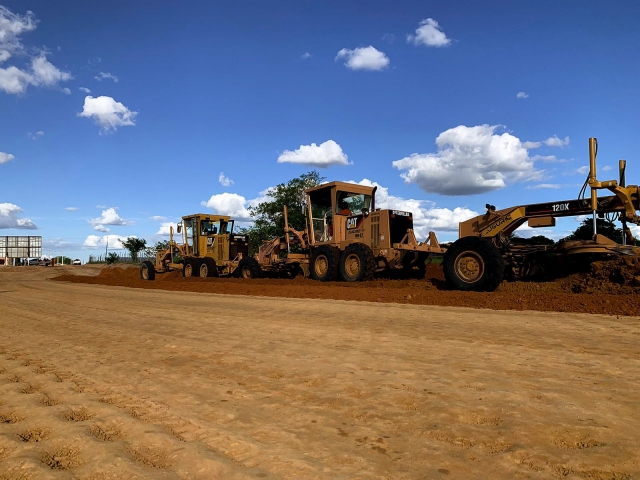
{"x": 21, "y": 247}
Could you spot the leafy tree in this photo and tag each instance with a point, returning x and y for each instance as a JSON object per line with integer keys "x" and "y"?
{"x": 134, "y": 245}
{"x": 268, "y": 215}
{"x": 604, "y": 227}
{"x": 150, "y": 252}
{"x": 112, "y": 257}
{"x": 541, "y": 240}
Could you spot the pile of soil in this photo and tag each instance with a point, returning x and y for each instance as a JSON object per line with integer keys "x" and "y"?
{"x": 607, "y": 288}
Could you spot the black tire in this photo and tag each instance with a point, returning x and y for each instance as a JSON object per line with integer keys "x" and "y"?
{"x": 207, "y": 268}
{"x": 147, "y": 271}
{"x": 473, "y": 264}
{"x": 249, "y": 268}
{"x": 324, "y": 264}
{"x": 357, "y": 263}
{"x": 190, "y": 267}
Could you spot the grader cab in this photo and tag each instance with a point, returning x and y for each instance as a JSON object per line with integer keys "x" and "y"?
{"x": 351, "y": 239}
{"x": 209, "y": 248}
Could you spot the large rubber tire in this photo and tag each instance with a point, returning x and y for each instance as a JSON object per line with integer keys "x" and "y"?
{"x": 147, "y": 271}
{"x": 357, "y": 263}
{"x": 190, "y": 267}
{"x": 249, "y": 268}
{"x": 473, "y": 264}
{"x": 324, "y": 264}
{"x": 207, "y": 268}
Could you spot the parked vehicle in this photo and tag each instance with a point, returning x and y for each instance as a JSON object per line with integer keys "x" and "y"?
{"x": 77, "y": 262}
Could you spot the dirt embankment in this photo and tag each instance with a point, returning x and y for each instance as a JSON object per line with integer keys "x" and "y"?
{"x": 607, "y": 288}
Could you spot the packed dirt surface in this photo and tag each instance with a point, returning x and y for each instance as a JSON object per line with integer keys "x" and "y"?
{"x": 100, "y": 382}
{"x": 608, "y": 287}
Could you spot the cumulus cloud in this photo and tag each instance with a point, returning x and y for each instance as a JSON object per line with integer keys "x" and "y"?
{"x": 606, "y": 168}
{"x": 363, "y": 58}
{"x": 108, "y": 217}
{"x": 5, "y": 157}
{"x": 429, "y": 33}
{"x": 106, "y": 75}
{"x": 71, "y": 209}
{"x": 230, "y": 204}
{"x": 84, "y": 89}
{"x": 165, "y": 227}
{"x": 469, "y": 160}
{"x": 9, "y": 218}
{"x": 323, "y": 155}
{"x": 305, "y": 55}
{"x": 542, "y": 185}
{"x": 107, "y": 113}
{"x": 583, "y": 170}
{"x": 112, "y": 241}
{"x": 224, "y": 180}
{"x": 426, "y": 216}
{"x": 522, "y": 95}
{"x": 158, "y": 218}
{"x": 556, "y": 142}
{"x": 41, "y": 72}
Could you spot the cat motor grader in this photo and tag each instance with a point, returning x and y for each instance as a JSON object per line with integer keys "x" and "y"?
{"x": 346, "y": 237}
{"x": 486, "y": 253}
{"x": 209, "y": 248}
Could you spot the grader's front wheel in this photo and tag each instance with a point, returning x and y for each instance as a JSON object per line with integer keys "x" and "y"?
{"x": 473, "y": 264}
{"x": 147, "y": 271}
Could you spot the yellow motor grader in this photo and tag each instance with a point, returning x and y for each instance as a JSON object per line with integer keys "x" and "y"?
{"x": 484, "y": 253}
{"x": 209, "y": 249}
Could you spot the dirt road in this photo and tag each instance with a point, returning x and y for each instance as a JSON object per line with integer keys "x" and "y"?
{"x": 105, "y": 382}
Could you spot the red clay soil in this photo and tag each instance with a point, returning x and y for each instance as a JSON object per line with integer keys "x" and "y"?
{"x": 609, "y": 288}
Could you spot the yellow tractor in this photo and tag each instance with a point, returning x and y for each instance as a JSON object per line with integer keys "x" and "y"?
{"x": 209, "y": 248}
{"x": 486, "y": 253}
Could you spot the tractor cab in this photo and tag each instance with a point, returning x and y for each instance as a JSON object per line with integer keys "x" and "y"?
{"x": 212, "y": 236}
{"x": 336, "y": 207}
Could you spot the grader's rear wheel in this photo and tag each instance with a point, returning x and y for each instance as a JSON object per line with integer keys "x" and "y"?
{"x": 473, "y": 264}
{"x": 190, "y": 267}
{"x": 207, "y": 268}
{"x": 325, "y": 263}
{"x": 357, "y": 263}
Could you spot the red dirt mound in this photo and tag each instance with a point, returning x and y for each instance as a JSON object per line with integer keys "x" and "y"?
{"x": 607, "y": 289}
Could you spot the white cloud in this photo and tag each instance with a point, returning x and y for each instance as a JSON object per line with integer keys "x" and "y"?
{"x": 547, "y": 158}
{"x": 66, "y": 91}
{"x": 71, "y": 209}
{"x": 84, "y": 89}
{"x": 12, "y": 25}
{"x": 108, "y": 217}
{"x": 107, "y": 113}
{"x": 522, "y": 95}
{"x": 606, "y": 168}
{"x": 582, "y": 170}
{"x": 363, "y": 58}
{"x": 224, "y": 180}
{"x": 164, "y": 229}
{"x": 101, "y": 206}
{"x": 158, "y": 218}
{"x": 542, "y": 185}
{"x": 323, "y": 155}
{"x": 230, "y": 204}
{"x": 429, "y": 33}
{"x": 114, "y": 242}
{"x": 530, "y": 145}
{"x": 107, "y": 75}
{"x": 469, "y": 160}
{"x": 35, "y": 136}
{"x": 426, "y": 216}
{"x": 305, "y": 55}
{"x": 389, "y": 38}
{"x": 5, "y": 157}
{"x": 46, "y": 73}
{"x": 13, "y": 80}
{"x": 556, "y": 142}
{"x": 9, "y": 216}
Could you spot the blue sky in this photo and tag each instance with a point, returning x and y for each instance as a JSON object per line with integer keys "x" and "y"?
{"x": 265, "y": 91}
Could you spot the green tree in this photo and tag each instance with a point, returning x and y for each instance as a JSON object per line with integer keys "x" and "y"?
{"x": 150, "y": 252}
{"x": 540, "y": 240}
{"x": 134, "y": 245}
{"x": 268, "y": 215}
{"x": 112, "y": 257}
{"x": 604, "y": 227}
